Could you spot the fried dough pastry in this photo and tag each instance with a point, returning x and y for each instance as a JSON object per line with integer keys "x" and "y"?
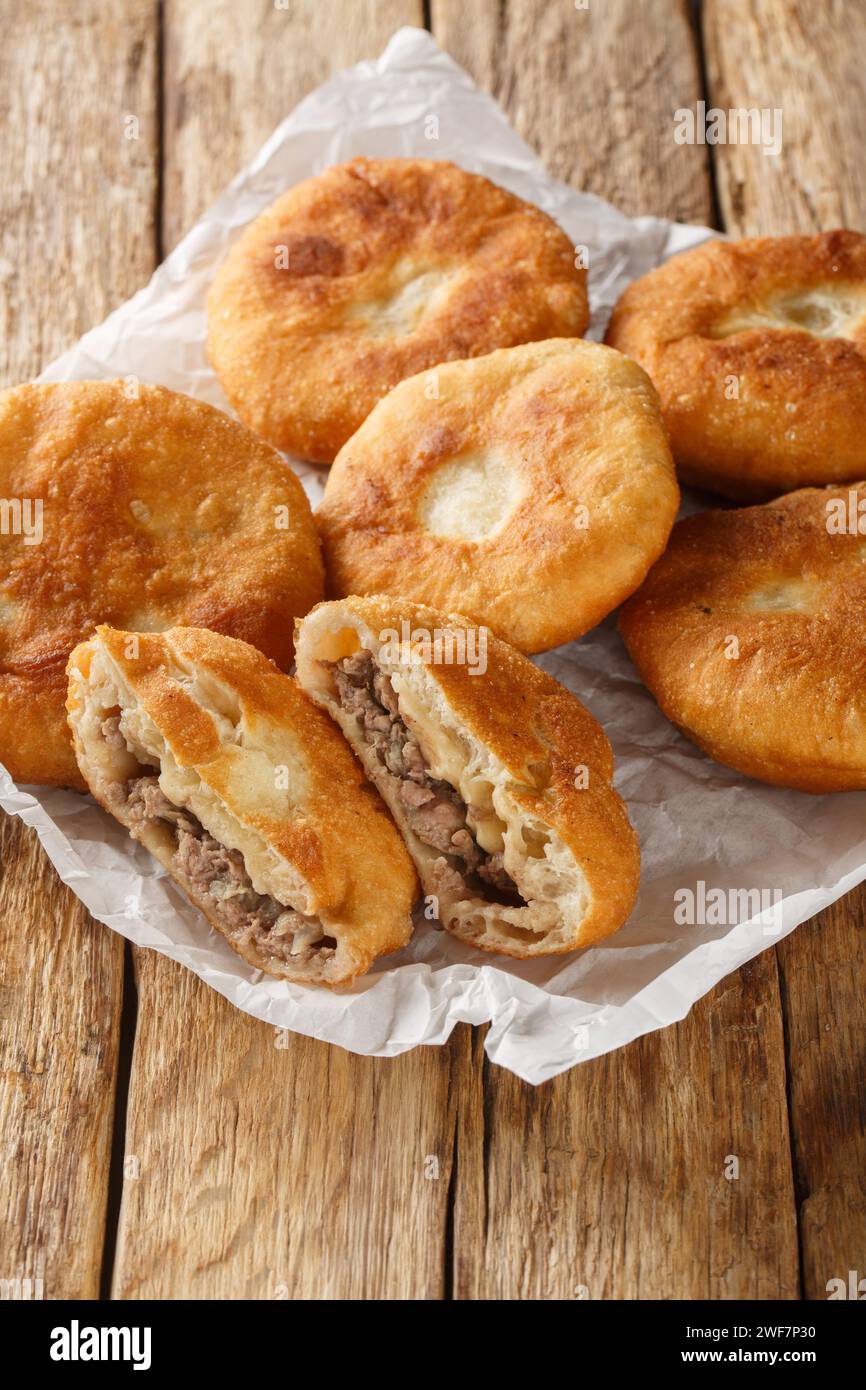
{"x": 370, "y": 272}
{"x": 532, "y": 494}
{"x": 749, "y": 633}
{"x": 495, "y": 773}
{"x": 247, "y": 794}
{"x": 152, "y": 509}
{"x": 758, "y": 351}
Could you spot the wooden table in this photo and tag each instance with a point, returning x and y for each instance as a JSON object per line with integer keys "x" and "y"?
{"x": 156, "y": 1143}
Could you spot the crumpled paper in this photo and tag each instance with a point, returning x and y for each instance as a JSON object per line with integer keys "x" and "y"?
{"x": 698, "y": 823}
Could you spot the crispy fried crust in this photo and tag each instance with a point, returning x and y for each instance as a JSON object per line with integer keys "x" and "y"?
{"x": 369, "y": 273}
{"x": 264, "y": 771}
{"x": 547, "y": 759}
{"x": 533, "y": 492}
{"x": 758, "y": 351}
{"x": 749, "y": 633}
{"x": 156, "y": 510}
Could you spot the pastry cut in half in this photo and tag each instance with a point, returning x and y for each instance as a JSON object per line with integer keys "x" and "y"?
{"x": 247, "y": 795}
{"x": 370, "y": 272}
{"x": 531, "y": 492}
{"x": 498, "y": 777}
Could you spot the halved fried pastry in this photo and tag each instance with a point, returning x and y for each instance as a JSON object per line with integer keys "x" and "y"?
{"x": 248, "y": 796}
{"x": 498, "y": 777}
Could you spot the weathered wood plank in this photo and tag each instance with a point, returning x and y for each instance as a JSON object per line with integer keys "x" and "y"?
{"x": 272, "y": 1166}
{"x": 76, "y": 238}
{"x": 594, "y": 90}
{"x": 610, "y": 1182}
{"x": 659, "y": 1171}
{"x": 806, "y": 60}
{"x": 233, "y": 72}
{"x": 823, "y": 972}
{"x": 62, "y": 978}
{"x": 264, "y": 1171}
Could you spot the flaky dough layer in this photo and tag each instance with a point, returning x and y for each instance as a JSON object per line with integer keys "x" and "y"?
{"x": 240, "y": 746}
{"x": 518, "y": 746}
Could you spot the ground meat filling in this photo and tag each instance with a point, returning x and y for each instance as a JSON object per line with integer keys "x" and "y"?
{"x": 216, "y": 876}
{"x": 434, "y": 809}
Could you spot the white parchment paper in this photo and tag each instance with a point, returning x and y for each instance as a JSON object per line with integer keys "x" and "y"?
{"x": 698, "y": 822}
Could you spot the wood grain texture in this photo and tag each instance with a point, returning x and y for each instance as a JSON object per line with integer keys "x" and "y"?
{"x": 593, "y": 90}
{"x": 61, "y": 977}
{"x": 823, "y": 969}
{"x": 618, "y": 1180}
{"x": 296, "y": 1171}
{"x": 77, "y": 225}
{"x": 273, "y": 1166}
{"x": 234, "y": 71}
{"x": 807, "y": 60}
{"x": 609, "y": 1182}
{"x": 76, "y": 238}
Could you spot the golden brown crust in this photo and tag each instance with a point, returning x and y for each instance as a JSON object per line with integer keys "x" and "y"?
{"x": 749, "y": 632}
{"x": 533, "y": 492}
{"x": 370, "y": 272}
{"x": 781, "y": 322}
{"x": 557, "y": 761}
{"x": 156, "y": 509}
{"x": 320, "y": 816}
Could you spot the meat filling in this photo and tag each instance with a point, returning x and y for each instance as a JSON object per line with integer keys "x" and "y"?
{"x": 434, "y": 809}
{"x": 216, "y": 877}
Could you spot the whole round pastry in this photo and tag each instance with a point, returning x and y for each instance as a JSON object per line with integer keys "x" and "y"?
{"x": 531, "y": 492}
{"x": 758, "y": 351}
{"x": 370, "y": 272}
{"x": 136, "y": 506}
{"x": 750, "y": 633}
